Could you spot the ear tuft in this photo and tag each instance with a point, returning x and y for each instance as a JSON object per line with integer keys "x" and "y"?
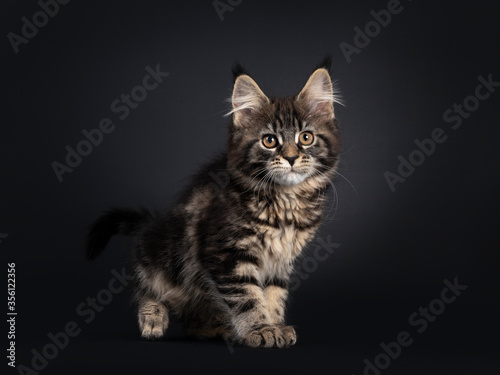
{"x": 326, "y": 63}
{"x": 238, "y": 70}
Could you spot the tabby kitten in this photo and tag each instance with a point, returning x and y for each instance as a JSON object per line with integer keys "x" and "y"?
{"x": 221, "y": 259}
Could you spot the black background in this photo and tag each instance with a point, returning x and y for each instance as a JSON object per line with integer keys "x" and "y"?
{"x": 396, "y": 248}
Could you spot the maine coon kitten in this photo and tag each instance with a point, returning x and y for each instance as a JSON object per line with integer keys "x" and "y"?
{"x": 221, "y": 258}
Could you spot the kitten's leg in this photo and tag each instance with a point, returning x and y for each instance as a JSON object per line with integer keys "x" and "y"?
{"x": 249, "y": 312}
{"x": 153, "y": 318}
{"x": 276, "y": 296}
{"x": 276, "y": 299}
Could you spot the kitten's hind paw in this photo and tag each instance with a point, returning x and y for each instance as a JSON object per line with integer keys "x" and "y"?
{"x": 153, "y": 320}
{"x": 271, "y": 336}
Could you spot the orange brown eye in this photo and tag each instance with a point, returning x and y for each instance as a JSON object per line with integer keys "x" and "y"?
{"x": 306, "y": 138}
{"x": 269, "y": 141}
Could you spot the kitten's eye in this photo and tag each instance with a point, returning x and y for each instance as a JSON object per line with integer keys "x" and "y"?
{"x": 306, "y": 138}
{"x": 269, "y": 141}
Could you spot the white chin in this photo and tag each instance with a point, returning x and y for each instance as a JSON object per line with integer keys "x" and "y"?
{"x": 290, "y": 178}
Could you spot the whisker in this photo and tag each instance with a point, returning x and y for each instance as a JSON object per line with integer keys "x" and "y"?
{"x": 335, "y": 193}
{"x": 345, "y": 178}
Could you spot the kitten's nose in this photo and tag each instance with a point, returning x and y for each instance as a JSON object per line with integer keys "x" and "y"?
{"x": 291, "y": 159}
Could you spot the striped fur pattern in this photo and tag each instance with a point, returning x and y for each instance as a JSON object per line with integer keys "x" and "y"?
{"x": 221, "y": 259}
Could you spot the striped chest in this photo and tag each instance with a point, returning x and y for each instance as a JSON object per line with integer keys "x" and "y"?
{"x": 279, "y": 247}
{"x": 284, "y": 227}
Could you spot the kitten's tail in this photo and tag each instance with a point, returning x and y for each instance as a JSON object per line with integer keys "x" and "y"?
{"x": 124, "y": 221}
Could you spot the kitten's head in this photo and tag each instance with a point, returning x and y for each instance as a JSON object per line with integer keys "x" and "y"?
{"x": 290, "y": 141}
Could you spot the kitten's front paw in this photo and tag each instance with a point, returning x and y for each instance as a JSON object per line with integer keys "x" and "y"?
{"x": 271, "y": 336}
{"x": 289, "y": 334}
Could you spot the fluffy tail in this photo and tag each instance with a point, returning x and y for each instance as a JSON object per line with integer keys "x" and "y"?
{"x": 124, "y": 221}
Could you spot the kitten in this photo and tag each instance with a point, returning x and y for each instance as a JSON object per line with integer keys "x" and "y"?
{"x": 221, "y": 258}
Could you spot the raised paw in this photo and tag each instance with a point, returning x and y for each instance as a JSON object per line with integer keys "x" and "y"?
{"x": 153, "y": 320}
{"x": 278, "y": 336}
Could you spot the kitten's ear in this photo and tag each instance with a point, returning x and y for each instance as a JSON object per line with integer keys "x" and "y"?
{"x": 247, "y": 98}
{"x": 317, "y": 94}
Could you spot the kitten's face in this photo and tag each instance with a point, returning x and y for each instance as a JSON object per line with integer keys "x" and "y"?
{"x": 288, "y": 141}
